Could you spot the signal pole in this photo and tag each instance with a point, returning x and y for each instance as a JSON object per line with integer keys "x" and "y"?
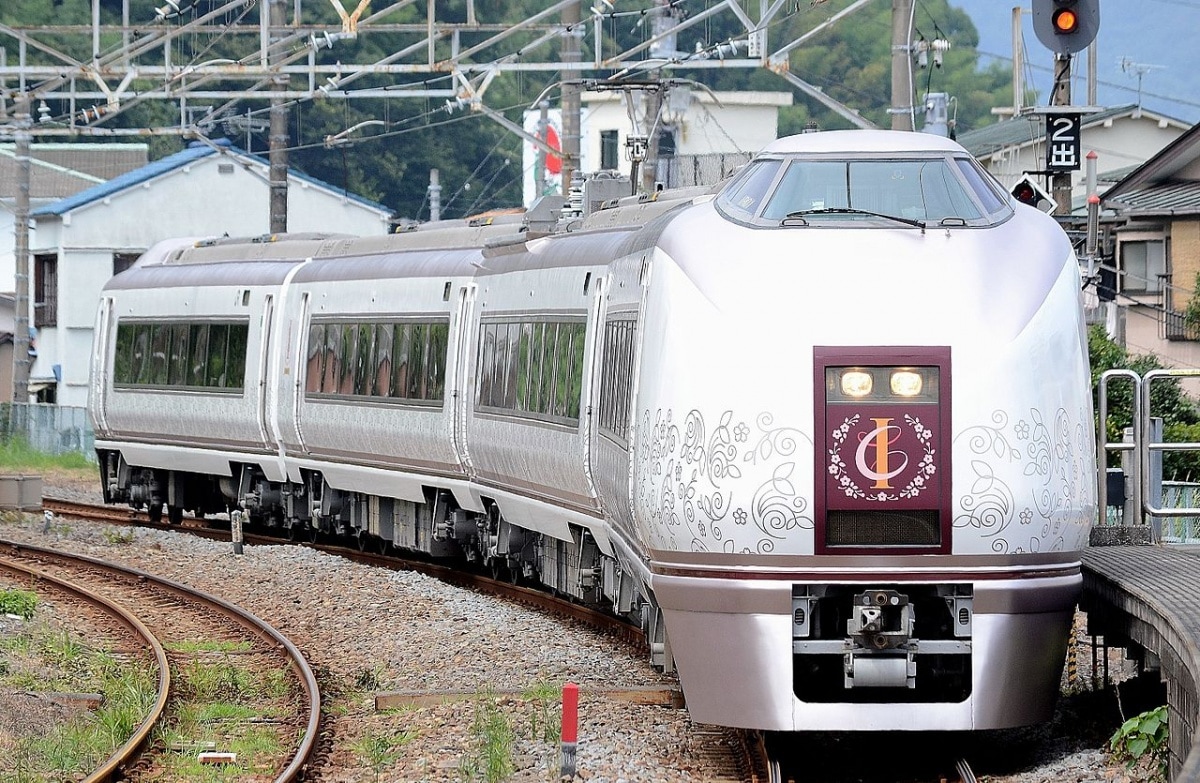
{"x": 1060, "y": 182}
{"x": 902, "y": 90}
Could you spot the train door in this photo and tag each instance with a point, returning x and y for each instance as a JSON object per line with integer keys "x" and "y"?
{"x": 98, "y": 397}
{"x": 595, "y": 360}
{"x": 301, "y": 369}
{"x": 264, "y": 363}
{"x": 463, "y": 394}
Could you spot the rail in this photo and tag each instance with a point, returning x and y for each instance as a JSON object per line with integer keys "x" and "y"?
{"x": 110, "y": 768}
{"x": 248, "y": 621}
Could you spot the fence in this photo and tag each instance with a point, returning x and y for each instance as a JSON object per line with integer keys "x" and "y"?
{"x": 51, "y": 429}
{"x": 1181, "y": 530}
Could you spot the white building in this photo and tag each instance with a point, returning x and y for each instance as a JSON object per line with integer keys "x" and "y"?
{"x": 703, "y": 136}
{"x": 204, "y": 190}
{"x": 55, "y": 172}
{"x": 1121, "y": 137}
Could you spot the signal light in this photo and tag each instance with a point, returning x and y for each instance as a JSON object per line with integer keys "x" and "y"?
{"x": 1066, "y": 26}
{"x": 1027, "y": 191}
{"x": 1065, "y": 21}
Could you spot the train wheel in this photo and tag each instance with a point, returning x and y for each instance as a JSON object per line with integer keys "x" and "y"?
{"x": 500, "y": 569}
{"x": 174, "y": 515}
{"x": 154, "y": 512}
{"x": 295, "y": 531}
{"x": 385, "y": 546}
{"x": 364, "y": 540}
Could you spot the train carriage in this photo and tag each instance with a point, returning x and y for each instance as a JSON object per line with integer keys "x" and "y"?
{"x": 826, "y": 433}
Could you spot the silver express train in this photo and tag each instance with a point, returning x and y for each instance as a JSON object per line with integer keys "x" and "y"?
{"x": 826, "y": 432}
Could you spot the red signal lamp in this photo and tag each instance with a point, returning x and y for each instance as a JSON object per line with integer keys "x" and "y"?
{"x": 1065, "y": 21}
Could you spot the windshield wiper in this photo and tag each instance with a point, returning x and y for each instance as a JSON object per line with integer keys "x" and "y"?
{"x": 803, "y": 213}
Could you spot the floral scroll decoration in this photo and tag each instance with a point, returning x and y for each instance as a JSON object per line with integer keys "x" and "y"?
{"x": 692, "y": 481}
{"x": 1027, "y": 479}
{"x": 846, "y": 483}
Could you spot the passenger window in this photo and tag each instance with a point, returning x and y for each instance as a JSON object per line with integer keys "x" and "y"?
{"x": 235, "y": 376}
{"x": 316, "y": 355}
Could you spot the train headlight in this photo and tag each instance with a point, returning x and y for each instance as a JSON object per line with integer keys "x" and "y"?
{"x": 856, "y": 383}
{"x": 906, "y": 383}
{"x": 860, "y": 383}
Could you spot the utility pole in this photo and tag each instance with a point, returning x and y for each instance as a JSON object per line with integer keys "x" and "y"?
{"x": 21, "y": 363}
{"x": 277, "y": 18}
{"x": 902, "y": 89}
{"x": 435, "y": 195}
{"x": 1018, "y": 51}
{"x": 570, "y": 96}
{"x": 1060, "y": 182}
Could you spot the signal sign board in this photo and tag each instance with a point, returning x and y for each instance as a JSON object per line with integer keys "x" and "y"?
{"x": 1063, "y": 146}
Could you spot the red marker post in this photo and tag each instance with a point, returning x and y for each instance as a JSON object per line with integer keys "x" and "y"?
{"x": 570, "y": 728}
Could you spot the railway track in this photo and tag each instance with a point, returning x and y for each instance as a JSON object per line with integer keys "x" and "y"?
{"x": 186, "y": 631}
{"x": 729, "y": 755}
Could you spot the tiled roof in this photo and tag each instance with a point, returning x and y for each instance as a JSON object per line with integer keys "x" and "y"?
{"x": 1166, "y": 198}
{"x": 1032, "y": 127}
{"x": 194, "y": 152}
{"x": 60, "y": 170}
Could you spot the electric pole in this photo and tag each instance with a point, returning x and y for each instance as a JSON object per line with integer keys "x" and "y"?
{"x": 902, "y": 89}
{"x": 21, "y": 363}
{"x": 571, "y": 129}
{"x": 276, "y": 19}
{"x": 1060, "y": 182}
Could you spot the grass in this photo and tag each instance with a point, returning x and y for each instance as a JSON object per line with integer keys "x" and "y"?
{"x": 222, "y": 709}
{"x": 17, "y": 456}
{"x": 382, "y": 749}
{"x": 53, "y": 660}
{"x": 491, "y": 756}
{"x": 22, "y": 603}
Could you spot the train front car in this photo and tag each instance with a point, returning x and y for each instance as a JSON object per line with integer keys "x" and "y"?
{"x": 864, "y": 441}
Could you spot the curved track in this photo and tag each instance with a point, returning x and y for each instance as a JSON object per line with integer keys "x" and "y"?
{"x": 732, "y": 755}
{"x": 168, "y": 610}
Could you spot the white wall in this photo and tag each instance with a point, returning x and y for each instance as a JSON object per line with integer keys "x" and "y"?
{"x": 196, "y": 200}
{"x": 743, "y": 122}
{"x": 1119, "y": 143}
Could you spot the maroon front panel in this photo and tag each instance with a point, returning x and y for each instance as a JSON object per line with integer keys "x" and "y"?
{"x": 884, "y": 461}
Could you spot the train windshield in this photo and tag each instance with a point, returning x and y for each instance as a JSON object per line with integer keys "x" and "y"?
{"x": 868, "y": 192}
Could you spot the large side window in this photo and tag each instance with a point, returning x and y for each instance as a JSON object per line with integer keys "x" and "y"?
{"x": 181, "y": 355}
{"x": 395, "y": 360}
{"x": 532, "y": 368}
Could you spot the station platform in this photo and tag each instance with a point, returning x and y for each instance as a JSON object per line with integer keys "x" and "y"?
{"x": 1148, "y": 598}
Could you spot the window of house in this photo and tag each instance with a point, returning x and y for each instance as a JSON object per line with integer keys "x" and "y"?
{"x": 1143, "y": 263}
{"x": 609, "y": 148}
{"x": 122, "y": 261}
{"x": 45, "y": 289}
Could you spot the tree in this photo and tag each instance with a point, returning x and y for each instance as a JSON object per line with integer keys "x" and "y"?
{"x": 1181, "y": 419}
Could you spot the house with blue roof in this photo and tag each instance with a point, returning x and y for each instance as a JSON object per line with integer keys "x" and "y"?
{"x": 209, "y": 189}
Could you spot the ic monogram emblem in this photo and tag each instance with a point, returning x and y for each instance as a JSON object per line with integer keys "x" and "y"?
{"x": 881, "y": 438}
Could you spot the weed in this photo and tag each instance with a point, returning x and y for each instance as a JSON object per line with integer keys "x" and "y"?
{"x": 544, "y": 696}
{"x": 118, "y": 537}
{"x": 493, "y": 739}
{"x": 1143, "y": 735}
{"x": 381, "y": 750}
{"x": 18, "y": 602}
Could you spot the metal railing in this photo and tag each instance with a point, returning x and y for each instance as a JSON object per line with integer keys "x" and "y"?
{"x": 50, "y": 429}
{"x": 1169, "y": 508}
